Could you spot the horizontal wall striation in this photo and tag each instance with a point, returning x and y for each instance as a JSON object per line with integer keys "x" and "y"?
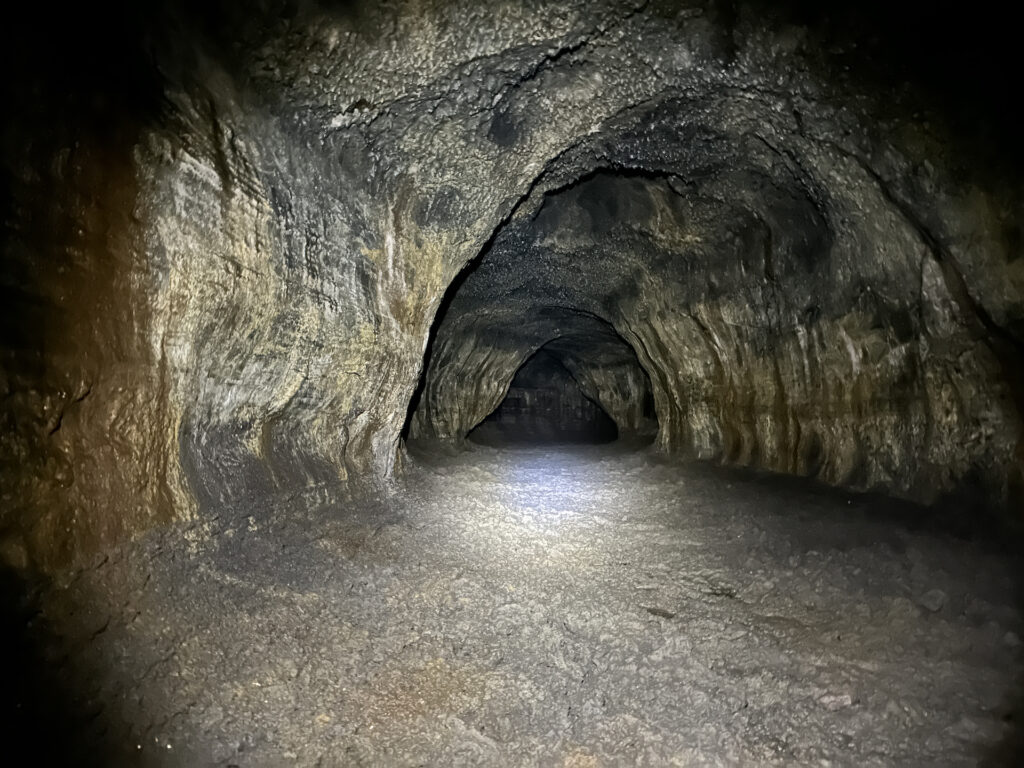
{"x": 227, "y": 235}
{"x": 791, "y": 315}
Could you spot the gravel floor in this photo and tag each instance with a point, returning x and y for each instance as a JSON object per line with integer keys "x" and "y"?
{"x": 576, "y": 607}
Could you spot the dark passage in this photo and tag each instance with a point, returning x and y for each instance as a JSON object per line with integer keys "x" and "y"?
{"x": 544, "y": 404}
{"x": 571, "y": 383}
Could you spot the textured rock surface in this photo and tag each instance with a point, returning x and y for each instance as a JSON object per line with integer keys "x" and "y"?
{"x": 544, "y": 404}
{"x": 541, "y": 608}
{"x": 228, "y": 231}
{"x": 799, "y": 325}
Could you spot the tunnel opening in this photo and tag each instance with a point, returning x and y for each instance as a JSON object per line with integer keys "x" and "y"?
{"x": 781, "y": 241}
{"x": 509, "y": 361}
{"x": 545, "y": 405}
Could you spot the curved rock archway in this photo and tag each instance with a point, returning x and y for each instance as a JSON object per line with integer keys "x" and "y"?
{"x": 814, "y": 260}
{"x": 282, "y": 281}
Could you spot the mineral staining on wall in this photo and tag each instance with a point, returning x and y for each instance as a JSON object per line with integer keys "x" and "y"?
{"x": 230, "y": 262}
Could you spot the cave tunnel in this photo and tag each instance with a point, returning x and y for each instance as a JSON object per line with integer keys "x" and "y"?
{"x": 512, "y": 382}
{"x": 545, "y": 404}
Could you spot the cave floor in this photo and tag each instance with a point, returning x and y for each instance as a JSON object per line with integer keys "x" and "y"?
{"x": 575, "y": 607}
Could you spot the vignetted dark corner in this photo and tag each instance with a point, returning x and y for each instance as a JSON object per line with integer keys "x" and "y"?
{"x": 511, "y": 382}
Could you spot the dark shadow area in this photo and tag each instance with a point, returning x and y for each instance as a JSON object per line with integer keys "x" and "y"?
{"x": 44, "y": 719}
{"x": 545, "y": 405}
{"x": 945, "y": 518}
{"x": 954, "y": 60}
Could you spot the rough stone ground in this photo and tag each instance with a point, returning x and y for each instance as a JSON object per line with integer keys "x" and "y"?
{"x": 575, "y": 607}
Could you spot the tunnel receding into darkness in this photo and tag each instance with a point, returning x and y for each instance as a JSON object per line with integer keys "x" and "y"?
{"x": 512, "y": 382}
{"x": 545, "y": 404}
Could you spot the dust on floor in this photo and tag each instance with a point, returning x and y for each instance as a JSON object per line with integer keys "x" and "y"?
{"x": 562, "y": 607}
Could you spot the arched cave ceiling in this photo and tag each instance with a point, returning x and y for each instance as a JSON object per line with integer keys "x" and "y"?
{"x": 236, "y": 232}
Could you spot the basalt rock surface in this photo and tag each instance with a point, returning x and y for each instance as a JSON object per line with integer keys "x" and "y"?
{"x": 544, "y": 404}
{"x": 784, "y": 323}
{"x": 228, "y": 232}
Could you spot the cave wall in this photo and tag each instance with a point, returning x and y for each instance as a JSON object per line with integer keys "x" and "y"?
{"x": 612, "y": 377}
{"x": 279, "y": 297}
{"x": 227, "y": 233}
{"x": 799, "y": 305}
{"x": 206, "y": 305}
{"x": 83, "y": 454}
{"x": 545, "y": 403}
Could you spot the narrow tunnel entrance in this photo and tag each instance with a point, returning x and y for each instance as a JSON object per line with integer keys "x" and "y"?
{"x": 545, "y": 404}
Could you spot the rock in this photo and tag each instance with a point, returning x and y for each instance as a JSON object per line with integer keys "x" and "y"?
{"x": 255, "y": 252}
{"x": 835, "y": 702}
{"x": 933, "y": 600}
{"x": 904, "y": 609}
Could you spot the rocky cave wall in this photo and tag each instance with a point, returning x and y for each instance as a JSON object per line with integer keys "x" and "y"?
{"x": 614, "y": 380}
{"x": 785, "y": 323}
{"x": 544, "y": 403}
{"x": 227, "y": 233}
